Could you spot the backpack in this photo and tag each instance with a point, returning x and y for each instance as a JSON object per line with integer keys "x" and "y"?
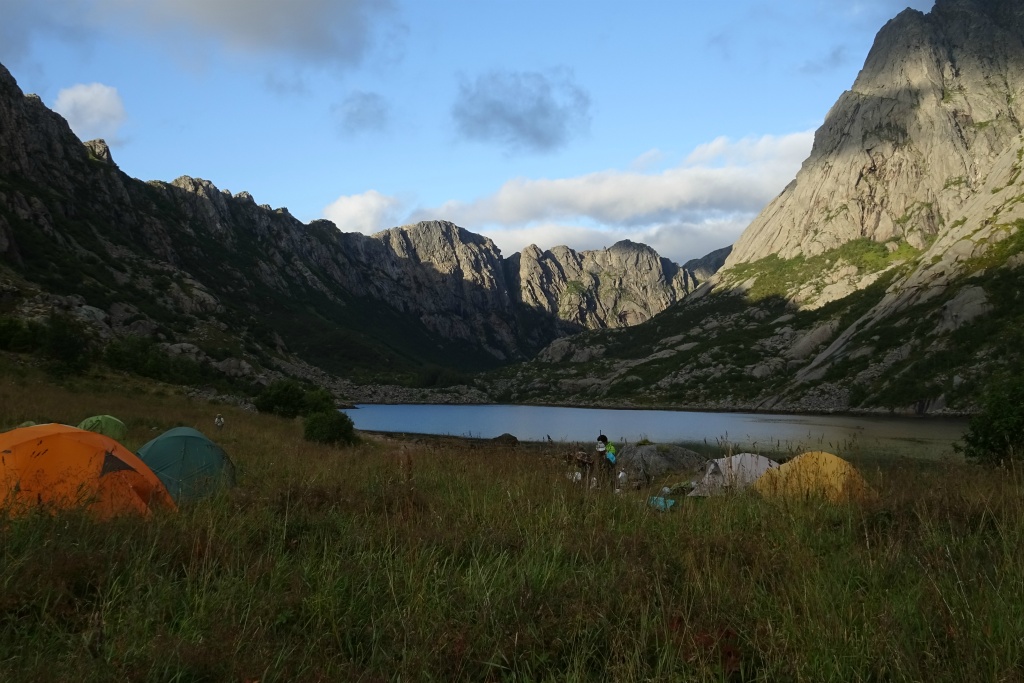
{"x": 610, "y": 453}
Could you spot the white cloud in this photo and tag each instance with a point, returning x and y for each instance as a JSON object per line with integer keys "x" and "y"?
{"x": 765, "y": 151}
{"x": 547, "y": 235}
{"x": 92, "y": 110}
{"x": 367, "y": 213}
{"x": 684, "y": 212}
{"x": 648, "y": 160}
{"x": 679, "y": 242}
{"x": 720, "y": 177}
{"x": 684, "y": 241}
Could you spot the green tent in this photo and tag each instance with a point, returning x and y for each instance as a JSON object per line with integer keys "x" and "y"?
{"x": 107, "y": 425}
{"x": 189, "y": 464}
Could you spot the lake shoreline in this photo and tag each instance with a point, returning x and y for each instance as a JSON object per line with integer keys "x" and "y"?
{"x": 877, "y": 412}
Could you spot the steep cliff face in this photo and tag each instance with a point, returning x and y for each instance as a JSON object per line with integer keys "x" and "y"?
{"x": 616, "y": 287}
{"x": 450, "y": 279}
{"x": 901, "y": 154}
{"x": 186, "y": 262}
{"x": 460, "y": 286}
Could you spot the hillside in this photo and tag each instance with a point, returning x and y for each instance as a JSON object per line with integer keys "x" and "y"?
{"x": 885, "y": 277}
{"x": 252, "y": 292}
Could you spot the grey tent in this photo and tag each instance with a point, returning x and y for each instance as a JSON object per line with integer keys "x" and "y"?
{"x": 733, "y": 473}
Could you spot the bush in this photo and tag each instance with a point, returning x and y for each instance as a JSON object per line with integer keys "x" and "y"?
{"x": 66, "y": 345}
{"x": 329, "y": 427}
{"x": 318, "y": 400}
{"x": 20, "y": 336}
{"x": 996, "y": 434}
{"x": 142, "y": 356}
{"x": 288, "y": 398}
{"x": 285, "y": 397}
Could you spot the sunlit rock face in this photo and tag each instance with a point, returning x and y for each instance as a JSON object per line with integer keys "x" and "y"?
{"x": 908, "y": 149}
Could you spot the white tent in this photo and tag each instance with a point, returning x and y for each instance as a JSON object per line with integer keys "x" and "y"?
{"x": 732, "y": 474}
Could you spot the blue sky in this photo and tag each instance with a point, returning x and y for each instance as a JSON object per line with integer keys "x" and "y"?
{"x": 577, "y": 122}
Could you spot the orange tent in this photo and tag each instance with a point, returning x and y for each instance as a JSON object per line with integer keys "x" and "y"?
{"x": 55, "y": 466}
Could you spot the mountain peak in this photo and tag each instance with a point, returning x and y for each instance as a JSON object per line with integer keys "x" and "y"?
{"x": 901, "y": 153}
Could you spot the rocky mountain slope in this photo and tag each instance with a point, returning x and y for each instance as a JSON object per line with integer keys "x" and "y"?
{"x": 225, "y": 280}
{"x": 935, "y": 110}
{"x": 885, "y": 277}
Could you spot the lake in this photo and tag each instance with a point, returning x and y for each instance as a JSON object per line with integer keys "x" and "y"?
{"x": 912, "y": 436}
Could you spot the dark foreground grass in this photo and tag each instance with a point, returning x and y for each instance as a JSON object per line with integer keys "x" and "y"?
{"x": 426, "y": 562}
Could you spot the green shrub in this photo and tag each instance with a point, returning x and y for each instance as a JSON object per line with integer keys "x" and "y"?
{"x": 329, "y": 427}
{"x": 289, "y": 399}
{"x": 996, "y": 433}
{"x": 284, "y": 397}
{"x": 318, "y": 400}
{"x": 20, "y": 336}
{"x": 142, "y": 356}
{"x": 66, "y": 345}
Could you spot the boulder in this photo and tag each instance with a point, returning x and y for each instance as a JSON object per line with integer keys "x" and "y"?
{"x": 505, "y": 439}
{"x": 651, "y": 461}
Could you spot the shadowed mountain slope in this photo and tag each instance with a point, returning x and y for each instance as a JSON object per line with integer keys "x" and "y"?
{"x": 251, "y": 290}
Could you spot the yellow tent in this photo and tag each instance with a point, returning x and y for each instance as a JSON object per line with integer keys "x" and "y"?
{"x": 815, "y": 474}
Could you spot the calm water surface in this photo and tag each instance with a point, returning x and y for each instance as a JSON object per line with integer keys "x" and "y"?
{"x": 919, "y": 437}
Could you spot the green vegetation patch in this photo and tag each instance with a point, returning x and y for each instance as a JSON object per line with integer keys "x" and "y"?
{"x": 989, "y": 346}
{"x": 781, "y": 277}
{"x": 574, "y": 287}
{"x": 997, "y": 254}
{"x": 995, "y": 435}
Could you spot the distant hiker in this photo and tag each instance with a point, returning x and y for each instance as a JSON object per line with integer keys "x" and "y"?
{"x": 606, "y": 458}
{"x": 219, "y": 422}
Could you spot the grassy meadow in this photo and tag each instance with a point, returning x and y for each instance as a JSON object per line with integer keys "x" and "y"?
{"x": 398, "y": 560}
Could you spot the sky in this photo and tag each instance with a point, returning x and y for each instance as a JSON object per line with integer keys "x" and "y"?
{"x": 547, "y": 122}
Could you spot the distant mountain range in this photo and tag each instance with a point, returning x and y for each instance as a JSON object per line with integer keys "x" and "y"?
{"x": 885, "y": 277}
{"x": 255, "y": 292}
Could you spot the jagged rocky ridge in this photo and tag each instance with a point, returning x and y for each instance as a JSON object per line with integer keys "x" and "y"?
{"x": 217, "y": 276}
{"x": 885, "y": 277}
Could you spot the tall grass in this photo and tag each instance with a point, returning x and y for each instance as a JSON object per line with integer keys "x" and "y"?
{"x": 406, "y": 561}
